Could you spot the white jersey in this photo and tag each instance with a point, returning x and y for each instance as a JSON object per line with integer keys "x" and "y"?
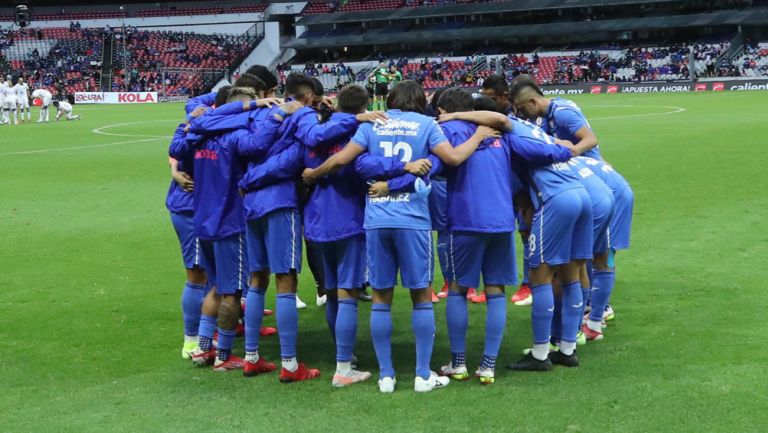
{"x": 22, "y": 91}
{"x": 44, "y": 95}
{"x": 65, "y": 107}
{"x": 5, "y": 91}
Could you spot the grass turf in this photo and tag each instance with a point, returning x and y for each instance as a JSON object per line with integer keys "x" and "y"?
{"x": 91, "y": 327}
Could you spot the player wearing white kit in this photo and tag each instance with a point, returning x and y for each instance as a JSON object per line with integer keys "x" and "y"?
{"x": 2, "y": 102}
{"x": 9, "y": 104}
{"x": 64, "y": 108}
{"x": 22, "y": 95}
{"x": 45, "y": 98}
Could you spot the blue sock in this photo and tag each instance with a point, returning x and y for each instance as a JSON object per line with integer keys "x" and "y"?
{"x": 495, "y": 322}
{"x": 381, "y": 334}
{"x": 207, "y": 328}
{"x": 456, "y": 317}
{"x": 331, "y": 310}
{"x": 458, "y": 358}
{"x": 423, "y": 325}
{"x": 488, "y": 362}
{"x": 254, "y": 316}
{"x": 346, "y": 329}
{"x": 526, "y": 268}
{"x": 585, "y": 292}
{"x": 224, "y": 346}
{"x": 557, "y": 322}
{"x": 287, "y": 323}
{"x": 572, "y": 308}
{"x": 541, "y": 312}
{"x": 602, "y": 286}
{"x": 192, "y": 306}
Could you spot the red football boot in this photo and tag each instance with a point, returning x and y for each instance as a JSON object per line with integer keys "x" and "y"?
{"x": 266, "y": 331}
{"x": 301, "y": 373}
{"x": 255, "y": 368}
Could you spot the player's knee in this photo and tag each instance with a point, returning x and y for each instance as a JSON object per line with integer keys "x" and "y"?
{"x": 494, "y": 290}
{"x": 196, "y": 275}
{"x": 420, "y": 296}
{"x": 260, "y": 279}
{"x": 383, "y": 296}
{"x": 286, "y": 283}
{"x": 456, "y": 288}
{"x": 344, "y": 293}
{"x": 600, "y": 262}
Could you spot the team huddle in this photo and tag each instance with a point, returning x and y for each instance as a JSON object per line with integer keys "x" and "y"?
{"x": 253, "y": 175}
{"x": 15, "y": 98}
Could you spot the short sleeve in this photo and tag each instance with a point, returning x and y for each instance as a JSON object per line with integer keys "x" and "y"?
{"x": 362, "y": 136}
{"x": 435, "y": 135}
{"x": 569, "y": 120}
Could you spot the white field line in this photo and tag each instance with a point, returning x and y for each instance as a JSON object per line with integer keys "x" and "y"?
{"x": 100, "y": 131}
{"x": 672, "y": 110}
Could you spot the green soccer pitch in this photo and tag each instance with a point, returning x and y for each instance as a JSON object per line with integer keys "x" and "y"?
{"x": 90, "y": 320}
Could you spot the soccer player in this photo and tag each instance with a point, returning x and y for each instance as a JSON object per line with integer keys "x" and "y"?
{"x": 381, "y": 77}
{"x": 495, "y": 87}
{"x": 64, "y": 109}
{"x": 179, "y": 202}
{"x": 22, "y": 95}
{"x": 45, "y": 98}
{"x": 561, "y": 237}
{"x": 339, "y": 242}
{"x": 4, "y": 90}
{"x": 274, "y": 229}
{"x": 10, "y": 104}
{"x": 220, "y": 225}
{"x": 397, "y": 226}
{"x": 561, "y": 118}
{"x": 601, "y": 197}
{"x": 618, "y": 238}
{"x": 482, "y": 243}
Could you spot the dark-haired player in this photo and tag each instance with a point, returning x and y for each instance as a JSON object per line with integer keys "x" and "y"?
{"x": 561, "y": 118}
{"x": 398, "y": 226}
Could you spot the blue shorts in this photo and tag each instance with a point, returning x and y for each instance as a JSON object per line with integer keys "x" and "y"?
{"x": 490, "y": 254}
{"x": 184, "y": 225}
{"x": 602, "y": 212}
{"x": 522, "y": 226}
{"x": 274, "y": 242}
{"x": 561, "y": 230}
{"x": 621, "y": 223}
{"x": 442, "y": 254}
{"x": 408, "y": 250}
{"x": 343, "y": 262}
{"x": 225, "y": 263}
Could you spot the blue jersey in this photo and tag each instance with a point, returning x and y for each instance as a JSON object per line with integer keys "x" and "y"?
{"x": 311, "y": 133}
{"x": 563, "y": 119}
{"x": 610, "y": 177}
{"x": 276, "y": 136}
{"x": 178, "y": 200}
{"x": 545, "y": 181}
{"x": 484, "y": 179}
{"x": 206, "y": 100}
{"x": 219, "y": 165}
{"x": 596, "y": 188}
{"x": 438, "y": 205}
{"x": 226, "y": 118}
{"x": 407, "y": 136}
{"x": 336, "y": 207}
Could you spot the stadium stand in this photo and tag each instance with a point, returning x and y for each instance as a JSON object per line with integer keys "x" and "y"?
{"x": 63, "y": 60}
{"x": 149, "y": 52}
{"x": 754, "y": 61}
